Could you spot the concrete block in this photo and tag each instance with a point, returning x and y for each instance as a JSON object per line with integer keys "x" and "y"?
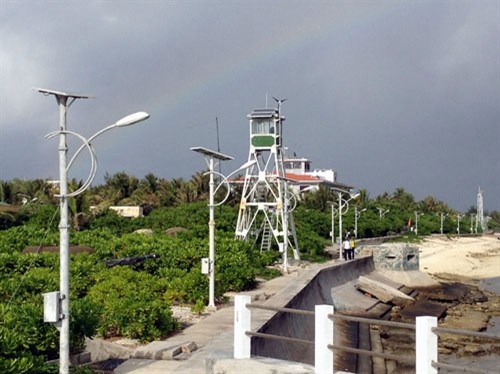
{"x": 396, "y": 256}
{"x": 383, "y": 292}
{"x": 80, "y": 358}
{"x": 158, "y": 351}
{"x": 169, "y": 353}
{"x": 189, "y": 347}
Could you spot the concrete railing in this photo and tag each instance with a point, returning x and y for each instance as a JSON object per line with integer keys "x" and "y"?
{"x": 426, "y": 337}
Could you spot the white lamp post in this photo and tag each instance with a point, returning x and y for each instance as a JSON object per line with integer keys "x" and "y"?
{"x": 357, "y": 214}
{"x": 443, "y": 215}
{"x": 343, "y": 204}
{"x": 417, "y": 217}
{"x": 333, "y": 212}
{"x": 62, "y": 322}
{"x": 210, "y": 155}
{"x": 459, "y": 216}
{"x": 382, "y": 212}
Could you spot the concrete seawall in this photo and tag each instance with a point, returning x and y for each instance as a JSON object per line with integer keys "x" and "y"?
{"x": 322, "y": 285}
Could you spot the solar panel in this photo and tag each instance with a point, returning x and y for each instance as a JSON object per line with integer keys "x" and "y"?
{"x": 61, "y": 93}
{"x": 264, "y": 113}
{"x": 211, "y": 153}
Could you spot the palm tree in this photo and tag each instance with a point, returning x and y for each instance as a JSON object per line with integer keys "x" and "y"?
{"x": 405, "y": 199}
{"x": 149, "y": 182}
{"x": 201, "y": 184}
{"x": 120, "y": 186}
{"x": 364, "y": 196}
{"x": 318, "y": 199}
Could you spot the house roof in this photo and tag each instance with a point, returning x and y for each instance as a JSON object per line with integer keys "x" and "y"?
{"x": 302, "y": 178}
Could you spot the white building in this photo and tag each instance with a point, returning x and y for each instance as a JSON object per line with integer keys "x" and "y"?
{"x": 298, "y": 172}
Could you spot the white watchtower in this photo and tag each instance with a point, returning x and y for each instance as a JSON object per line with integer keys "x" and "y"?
{"x": 265, "y": 212}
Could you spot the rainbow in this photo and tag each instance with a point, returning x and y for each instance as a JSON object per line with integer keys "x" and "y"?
{"x": 279, "y": 47}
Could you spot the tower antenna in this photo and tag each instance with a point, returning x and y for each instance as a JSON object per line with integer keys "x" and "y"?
{"x": 218, "y": 144}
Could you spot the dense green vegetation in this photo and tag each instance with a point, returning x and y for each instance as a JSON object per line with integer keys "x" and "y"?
{"x": 134, "y": 300}
{"x": 131, "y": 301}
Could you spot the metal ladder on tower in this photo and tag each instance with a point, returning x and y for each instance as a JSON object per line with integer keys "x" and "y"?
{"x": 267, "y": 236}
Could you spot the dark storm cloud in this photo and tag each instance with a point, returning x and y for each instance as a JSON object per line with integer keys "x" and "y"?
{"x": 389, "y": 93}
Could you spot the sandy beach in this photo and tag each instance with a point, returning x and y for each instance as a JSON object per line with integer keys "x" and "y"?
{"x": 475, "y": 258}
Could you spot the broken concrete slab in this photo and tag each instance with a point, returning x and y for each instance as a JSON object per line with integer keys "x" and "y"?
{"x": 161, "y": 352}
{"x": 423, "y": 308}
{"x": 382, "y": 291}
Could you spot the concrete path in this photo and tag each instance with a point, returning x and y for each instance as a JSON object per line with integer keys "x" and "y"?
{"x": 209, "y": 342}
{"x": 213, "y": 336}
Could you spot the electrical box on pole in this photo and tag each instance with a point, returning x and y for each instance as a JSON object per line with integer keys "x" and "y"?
{"x": 52, "y": 307}
{"x": 205, "y": 265}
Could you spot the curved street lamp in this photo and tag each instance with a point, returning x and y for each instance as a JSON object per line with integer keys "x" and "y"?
{"x": 343, "y": 207}
{"x": 382, "y": 212}
{"x": 333, "y": 213}
{"x": 210, "y": 155}
{"x": 62, "y": 302}
{"x": 357, "y": 214}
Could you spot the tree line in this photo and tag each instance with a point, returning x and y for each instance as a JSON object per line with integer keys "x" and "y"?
{"x": 386, "y": 213}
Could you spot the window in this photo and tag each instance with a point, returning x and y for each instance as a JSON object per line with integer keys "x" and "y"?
{"x": 262, "y": 127}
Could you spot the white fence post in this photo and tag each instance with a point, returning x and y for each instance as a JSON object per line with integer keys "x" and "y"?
{"x": 426, "y": 345}
{"x": 323, "y": 335}
{"x": 242, "y": 323}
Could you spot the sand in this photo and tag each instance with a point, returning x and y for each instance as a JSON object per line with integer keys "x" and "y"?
{"x": 471, "y": 257}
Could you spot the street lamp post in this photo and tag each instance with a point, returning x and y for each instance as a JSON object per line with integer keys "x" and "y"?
{"x": 357, "y": 214}
{"x": 340, "y": 223}
{"x": 443, "y": 215}
{"x": 333, "y": 222}
{"x": 210, "y": 155}
{"x": 417, "y": 217}
{"x": 382, "y": 212}
{"x": 343, "y": 204}
{"x": 62, "y": 100}
{"x": 459, "y": 216}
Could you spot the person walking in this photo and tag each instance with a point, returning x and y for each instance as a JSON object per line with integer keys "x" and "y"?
{"x": 346, "y": 248}
{"x": 353, "y": 249}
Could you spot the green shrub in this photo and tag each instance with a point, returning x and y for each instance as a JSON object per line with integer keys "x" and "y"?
{"x": 17, "y": 238}
{"x": 84, "y": 321}
{"x": 115, "y": 223}
{"x": 235, "y": 271}
{"x": 184, "y": 286}
{"x": 25, "y": 340}
{"x": 83, "y": 268}
{"x": 312, "y": 246}
{"x": 131, "y": 305}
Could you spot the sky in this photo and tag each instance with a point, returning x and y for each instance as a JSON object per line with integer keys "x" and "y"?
{"x": 388, "y": 93}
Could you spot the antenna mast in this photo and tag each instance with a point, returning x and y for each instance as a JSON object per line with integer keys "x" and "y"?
{"x": 218, "y": 144}
{"x": 479, "y": 212}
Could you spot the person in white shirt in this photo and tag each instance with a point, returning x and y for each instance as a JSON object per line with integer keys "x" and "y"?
{"x": 346, "y": 246}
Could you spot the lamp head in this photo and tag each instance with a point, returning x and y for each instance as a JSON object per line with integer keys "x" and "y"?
{"x": 247, "y": 164}
{"x": 132, "y": 119}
